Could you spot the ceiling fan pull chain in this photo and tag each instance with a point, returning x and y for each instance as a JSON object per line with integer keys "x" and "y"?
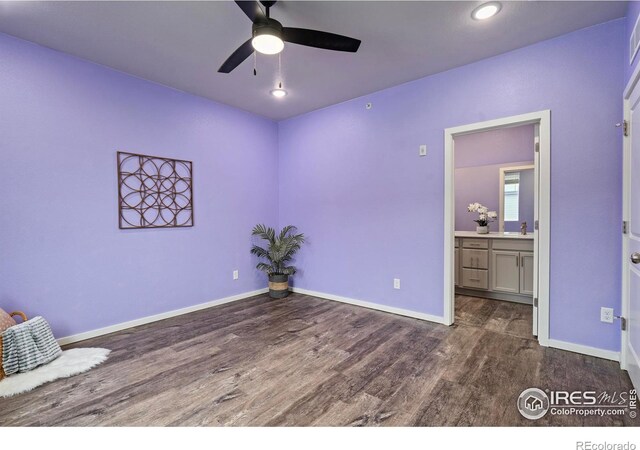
{"x": 255, "y": 62}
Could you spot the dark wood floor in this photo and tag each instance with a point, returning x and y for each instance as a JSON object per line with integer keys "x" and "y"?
{"x": 308, "y": 361}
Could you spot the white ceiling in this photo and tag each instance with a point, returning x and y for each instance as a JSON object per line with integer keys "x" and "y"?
{"x": 182, "y": 44}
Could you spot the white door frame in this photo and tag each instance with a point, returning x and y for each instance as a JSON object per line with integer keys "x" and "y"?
{"x": 541, "y": 236}
{"x": 626, "y": 182}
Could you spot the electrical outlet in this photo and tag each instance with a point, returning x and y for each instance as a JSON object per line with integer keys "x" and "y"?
{"x": 423, "y": 150}
{"x": 396, "y": 283}
{"x": 606, "y": 315}
{"x": 235, "y": 274}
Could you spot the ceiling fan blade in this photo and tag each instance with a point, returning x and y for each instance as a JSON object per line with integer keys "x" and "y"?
{"x": 251, "y": 9}
{"x": 320, "y": 39}
{"x": 236, "y": 58}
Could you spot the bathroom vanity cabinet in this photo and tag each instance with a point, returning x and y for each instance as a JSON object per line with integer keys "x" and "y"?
{"x": 494, "y": 265}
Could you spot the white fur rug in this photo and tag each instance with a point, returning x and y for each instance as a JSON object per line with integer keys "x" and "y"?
{"x": 71, "y": 362}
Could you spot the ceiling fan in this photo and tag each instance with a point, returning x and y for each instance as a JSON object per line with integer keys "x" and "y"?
{"x": 269, "y": 36}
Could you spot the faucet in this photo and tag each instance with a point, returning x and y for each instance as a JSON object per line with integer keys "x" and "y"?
{"x": 523, "y": 228}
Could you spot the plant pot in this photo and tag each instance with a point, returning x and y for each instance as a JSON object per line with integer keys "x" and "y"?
{"x": 278, "y": 286}
{"x": 482, "y": 230}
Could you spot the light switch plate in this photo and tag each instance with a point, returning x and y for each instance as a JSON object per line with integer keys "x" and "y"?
{"x": 423, "y": 150}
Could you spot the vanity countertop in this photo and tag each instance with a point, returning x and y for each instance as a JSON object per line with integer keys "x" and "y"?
{"x": 493, "y": 235}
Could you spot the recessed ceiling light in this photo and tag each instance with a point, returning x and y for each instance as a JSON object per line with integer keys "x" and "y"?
{"x": 486, "y": 10}
{"x": 278, "y": 92}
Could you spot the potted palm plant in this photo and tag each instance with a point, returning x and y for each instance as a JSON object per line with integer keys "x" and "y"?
{"x": 278, "y": 254}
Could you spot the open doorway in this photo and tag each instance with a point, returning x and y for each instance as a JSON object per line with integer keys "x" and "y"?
{"x": 497, "y": 175}
{"x": 493, "y": 229}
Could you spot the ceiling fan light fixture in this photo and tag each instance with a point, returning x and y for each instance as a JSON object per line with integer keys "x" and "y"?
{"x": 278, "y": 93}
{"x": 267, "y": 40}
{"x": 486, "y": 10}
{"x": 268, "y": 36}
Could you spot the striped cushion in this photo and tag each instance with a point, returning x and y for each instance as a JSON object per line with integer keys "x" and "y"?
{"x": 28, "y": 345}
{"x": 6, "y": 321}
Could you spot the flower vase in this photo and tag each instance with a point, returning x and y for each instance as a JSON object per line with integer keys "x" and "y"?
{"x": 482, "y": 230}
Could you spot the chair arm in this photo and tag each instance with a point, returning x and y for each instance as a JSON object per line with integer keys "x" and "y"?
{"x": 19, "y": 313}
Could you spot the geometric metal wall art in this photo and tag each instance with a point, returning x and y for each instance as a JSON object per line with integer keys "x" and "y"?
{"x": 154, "y": 192}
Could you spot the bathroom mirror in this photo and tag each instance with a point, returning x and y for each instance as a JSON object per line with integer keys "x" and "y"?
{"x": 516, "y": 198}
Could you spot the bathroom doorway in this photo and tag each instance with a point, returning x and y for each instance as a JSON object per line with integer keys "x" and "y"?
{"x": 496, "y": 223}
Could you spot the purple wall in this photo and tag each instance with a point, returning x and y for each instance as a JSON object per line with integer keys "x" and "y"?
{"x": 495, "y": 147}
{"x": 482, "y": 184}
{"x": 478, "y": 159}
{"x": 63, "y": 256}
{"x": 352, "y": 180}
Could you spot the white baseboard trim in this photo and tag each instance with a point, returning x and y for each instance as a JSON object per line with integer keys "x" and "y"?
{"x": 376, "y": 306}
{"x": 156, "y": 317}
{"x": 584, "y": 349}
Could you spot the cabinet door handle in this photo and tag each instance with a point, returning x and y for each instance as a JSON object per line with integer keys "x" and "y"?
{"x": 522, "y": 261}
{"x": 517, "y": 261}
